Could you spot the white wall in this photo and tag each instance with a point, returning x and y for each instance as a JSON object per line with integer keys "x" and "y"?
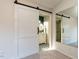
{"x": 53, "y": 31}
{"x": 68, "y": 50}
{"x": 7, "y": 40}
{"x": 70, "y": 31}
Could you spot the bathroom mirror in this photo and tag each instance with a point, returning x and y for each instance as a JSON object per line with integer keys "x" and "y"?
{"x": 67, "y": 26}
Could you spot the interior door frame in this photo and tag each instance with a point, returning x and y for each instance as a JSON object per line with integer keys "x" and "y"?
{"x": 49, "y": 26}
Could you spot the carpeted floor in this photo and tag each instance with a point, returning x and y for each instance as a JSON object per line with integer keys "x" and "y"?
{"x": 48, "y": 55}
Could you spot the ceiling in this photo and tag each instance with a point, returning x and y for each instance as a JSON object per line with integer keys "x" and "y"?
{"x": 44, "y": 3}
{"x": 49, "y": 3}
{"x": 71, "y": 12}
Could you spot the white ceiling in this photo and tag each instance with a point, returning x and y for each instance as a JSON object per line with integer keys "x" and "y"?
{"x": 71, "y": 12}
{"x": 49, "y": 3}
{"x": 44, "y": 3}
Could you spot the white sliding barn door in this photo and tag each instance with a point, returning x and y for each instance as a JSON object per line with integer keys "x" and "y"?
{"x": 26, "y": 30}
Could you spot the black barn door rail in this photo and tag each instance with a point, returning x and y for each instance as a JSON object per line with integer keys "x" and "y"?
{"x": 16, "y": 2}
{"x": 62, "y": 15}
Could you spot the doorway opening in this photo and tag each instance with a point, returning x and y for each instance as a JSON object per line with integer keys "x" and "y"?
{"x": 44, "y": 32}
{"x": 58, "y": 29}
